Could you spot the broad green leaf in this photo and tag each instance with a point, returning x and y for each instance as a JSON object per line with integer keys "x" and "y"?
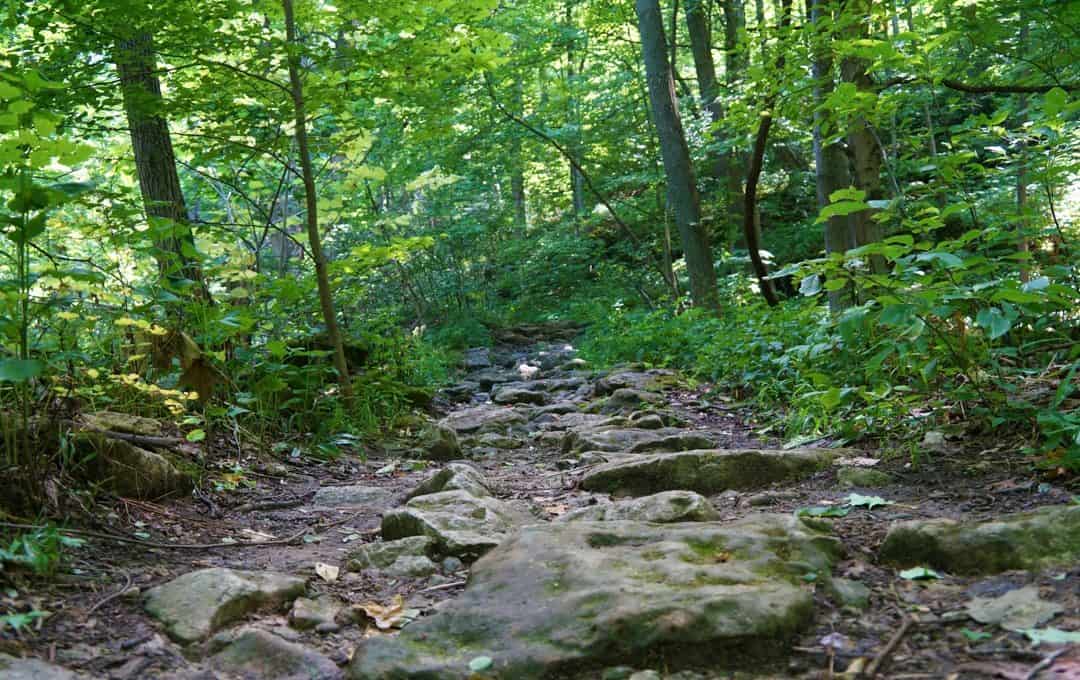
{"x": 919, "y": 574}
{"x": 196, "y": 435}
{"x": 20, "y": 370}
{"x": 1054, "y": 101}
{"x": 869, "y": 502}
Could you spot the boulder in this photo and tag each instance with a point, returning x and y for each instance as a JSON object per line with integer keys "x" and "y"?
{"x": 518, "y": 395}
{"x": 257, "y": 654}
{"x": 627, "y": 400}
{"x": 650, "y": 381}
{"x": 382, "y": 554}
{"x": 481, "y": 419}
{"x": 682, "y": 441}
{"x": 454, "y": 477}
{"x": 12, "y": 668}
{"x": 412, "y": 566}
{"x": 111, "y": 421}
{"x": 126, "y": 469}
{"x": 491, "y": 377}
{"x": 351, "y": 496}
{"x": 665, "y": 507}
{"x": 461, "y": 524}
{"x": 556, "y": 600}
{"x": 198, "y": 603}
{"x": 705, "y": 471}
{"x": 610, "y": 438}
{"x": 1046, "y": 537}
{"x": 492, "y": 440}
{"x": 439, "y": 442}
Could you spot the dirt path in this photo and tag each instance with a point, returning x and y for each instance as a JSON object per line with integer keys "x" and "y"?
{"x": 556, "y": 424}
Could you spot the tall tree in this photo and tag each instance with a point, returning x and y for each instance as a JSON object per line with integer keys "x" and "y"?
{"x": 155, "y": 162}
{"x": 311, "y": 200}
{"x": 573, "y": 111}
{"x": 682, "y": 188}
{"x": 830, "y": 164}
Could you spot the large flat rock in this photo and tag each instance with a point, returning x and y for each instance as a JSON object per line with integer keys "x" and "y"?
{"x": 201, "y": 602}
{"x": 705, "y": 471}
{"x": 481, "y": 419}
{"x": 462, "y": 525}
{"x": 1031, "y": 540}
{"x": 12, "y": 668}
{"x": 556, "y": 600}
{"x": 668, "y": 506}
{"x": 351, "y": 496}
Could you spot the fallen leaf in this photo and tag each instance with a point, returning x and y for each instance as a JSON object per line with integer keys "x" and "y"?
{"x": 393, "y": 615}
{"x": 480, "y": 663}
{"x": 823, "y": 511}
{"x": 258, "y": 536}
{"x": 556, "y": 510}
{"x": 857, "y": 461}
{"x": 869, "y": 502}
{"x": 919, "y": 574}
{"x": 1052, "y": 636}
{"x": 1018, "y": 609}
{"x": 327, "y": 572}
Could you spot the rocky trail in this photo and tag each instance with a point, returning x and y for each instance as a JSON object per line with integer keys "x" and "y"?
{"x": 558, "y": 522}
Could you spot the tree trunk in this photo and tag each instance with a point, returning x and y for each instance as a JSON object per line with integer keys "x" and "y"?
{"x": 517, "y": 164}
{"x": 697, "y": 28}
{"x": 681, "y": 184}
{"x": 326, "y": 300}
{"x": 734, "y": 66}
{"x": 866, "y": 158}
{"x": 155, "y": 164}
{"x": 577, "y": 181}
{"x": 831, "y": 169}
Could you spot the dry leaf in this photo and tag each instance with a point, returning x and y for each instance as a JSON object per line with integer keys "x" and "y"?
{"x": 258, "y": 536}
{"x": 557, "y": 510}
{"x": 393, "y": 615}
{"x": 327, "y": 572}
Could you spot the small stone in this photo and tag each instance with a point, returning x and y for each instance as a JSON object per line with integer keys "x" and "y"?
{"x": 412, "y": 566}
{"x": 309, "y": 613}
{"x": 868, "y": 478}
{"x": 452, "y": 565}
{"x": 382, "y": 554}
{"x": 453, "y": 477}
{"x": 514, "y": 395}
{"x": 259, "y": 654}
{"x": 327, "y": 627}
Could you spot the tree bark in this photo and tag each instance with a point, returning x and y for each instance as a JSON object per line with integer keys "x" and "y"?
{"x": 831, "y": 169}
{"x": 865, "y": 153}
{"x": 577, "y": 181}
{"x": 734, "y": 66}
{"x": 326, "y": 300}
{"x": 697, "y": 28}
{"x": 517, "y": 164}
{"x": 681, "y": 183}
{"x": 155, "y": 163}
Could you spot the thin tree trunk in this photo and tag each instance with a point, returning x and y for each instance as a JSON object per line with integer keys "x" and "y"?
{"x": 681, "y": 182}
{"x": 577, "y": 182}
{"x": 517, "y": 164}
{"x": 326, "y": 300}
{"x": 866, "y": 158}
{"x": 155, "y": 163}
{"x": 697, "y": 28}
{"x": 831, "y": 169}
{"x": 735, "y": 63}
{"x": 1021, "y": 165}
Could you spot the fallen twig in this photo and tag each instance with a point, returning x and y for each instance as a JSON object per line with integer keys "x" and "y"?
{"x": 890, "y": 647}
{"x": 141, "y": 439}
{"x": 270, "y": 505}
{"x": 109, "y": 598}
{"x": 1045, "y": 663}
{"x": 442, "y": 586}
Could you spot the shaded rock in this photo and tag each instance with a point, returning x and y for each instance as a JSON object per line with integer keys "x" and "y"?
{"x": 705, "y": 471}
{"x": 683, "y": 441}
{"x": 126, "y": 469}
{"x": 256, "y": 655}
{"x": 650, "y": 381}
{"x": 354, "y": 495}
{"x": 476, "y": 358}
{"x": 196, "y": 604}
{"x": 499, "y": 441}
{"x": 606, "y": 438}
{"x": 1031, "y": 540}
{"x": 12, "y": 668}
{"x": 576, "y": 364}
{"x": 557, "y": 599}
{"x": 462, "y": 525}
{"x": 578, "y": 419}
{"x": 462, "y": 391}
{"x": 554, "y": 384}
{"x": 558, "y": 408}
{"x": 628, "y": 399}
{"x": 492, "y": 377}
{"x": 308, "y": 613}
{"x": 412, "y": 566}
{"x": 517, "y": 395}
{"x": 439, "y": 442}
{"x": 481, "y": 419}
{"x": 868, "y": 478}
{"x": 665, "y": 507}
{"x": 647, "y": 421}
{"x": 122, "y": 422}
{"x": 453, "y": 477}
{"x": 848, "y": 593}
{"x": 382, "y": 554}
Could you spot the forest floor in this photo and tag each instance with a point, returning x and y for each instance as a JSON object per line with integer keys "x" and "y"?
{"x": 535, "y": 461}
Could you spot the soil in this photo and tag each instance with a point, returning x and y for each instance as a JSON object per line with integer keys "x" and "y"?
{"x": 98, "y": 627}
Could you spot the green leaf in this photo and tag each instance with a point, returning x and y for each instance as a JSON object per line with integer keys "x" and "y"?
{"x": 823, "y": 511}
{"x": 975, "y": 635}
{"x": 1054, "y": 101}
{"x": 20, "y": 370}
{"x": 993, "y": 321}
{"x": 810, "y": 286}
{"x": 869, "y": 502}
{"x": 919, "y": 574}
{"x": 196, "y": 435}
{"x": 480, "y": 663}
